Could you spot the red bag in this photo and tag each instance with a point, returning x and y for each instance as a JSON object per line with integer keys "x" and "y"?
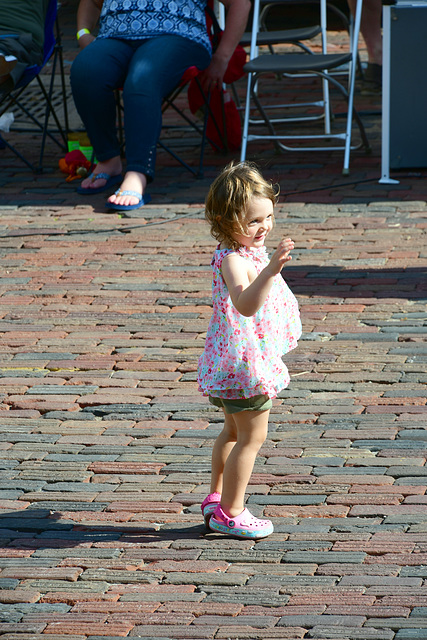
{"x": 235, "y": 66}
{"x": 223, "y": 110}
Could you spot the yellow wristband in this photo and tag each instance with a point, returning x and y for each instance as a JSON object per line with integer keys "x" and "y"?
{"x": 81, "y": 33}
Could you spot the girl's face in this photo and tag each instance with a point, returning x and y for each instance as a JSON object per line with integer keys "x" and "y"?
{"x": 257, "y": 223}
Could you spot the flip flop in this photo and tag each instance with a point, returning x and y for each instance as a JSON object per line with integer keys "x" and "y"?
{"x": 111, "y": 181}
{"x": 142, "y": 199}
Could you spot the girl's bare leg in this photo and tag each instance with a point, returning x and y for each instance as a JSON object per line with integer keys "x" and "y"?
{"x": 251, "y": 428}
{"x": 220, "y": 452}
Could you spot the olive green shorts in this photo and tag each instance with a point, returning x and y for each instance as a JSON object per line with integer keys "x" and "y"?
{"x": 256, "y": 403}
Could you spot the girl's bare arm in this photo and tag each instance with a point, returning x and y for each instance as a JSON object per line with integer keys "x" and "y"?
{"x": 248, "y": 291}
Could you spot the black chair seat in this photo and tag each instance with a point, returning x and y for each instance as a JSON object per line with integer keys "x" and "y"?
{"x": 281, "y": 37}
{"x": 296, "y": 62}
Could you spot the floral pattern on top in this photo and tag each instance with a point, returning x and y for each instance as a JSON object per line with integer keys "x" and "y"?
{"x": 243, "y": 355}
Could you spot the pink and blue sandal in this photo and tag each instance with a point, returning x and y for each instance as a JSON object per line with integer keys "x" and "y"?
{"x": 245, "y": 525}
{"x": 209, "y": 505}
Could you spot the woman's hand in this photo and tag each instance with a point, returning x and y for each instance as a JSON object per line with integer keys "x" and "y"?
{"x": 237, "y": 12}
{"x": 213, "y": 75}
{"x": 86, "y": 39}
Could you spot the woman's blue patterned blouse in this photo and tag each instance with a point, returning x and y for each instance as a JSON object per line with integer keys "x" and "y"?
{"x": 138, "y": 19}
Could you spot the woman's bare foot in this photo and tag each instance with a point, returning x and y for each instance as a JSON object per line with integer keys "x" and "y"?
{"x": 113, "y": 167}
{"x": 133, "y": 181}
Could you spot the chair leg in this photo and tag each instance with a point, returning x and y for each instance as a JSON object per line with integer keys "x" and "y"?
{"x": 246, "y": 118}
{"x": 263, "y": 112}
{"x": 203, "y": 142}
{"x": 4, "y": 143}
{"x": 326, "y": 106}
{"x": 61, "y": 69}
{"x": 209, "y": 114}
{"x": 352, "y": 79}
{"x": 50, "y": 110}
{"x": 119, "y": 109}
{"x": 14, "y": 100}
{"x": 45, "y": 131}
{"x": 199, "y": 172}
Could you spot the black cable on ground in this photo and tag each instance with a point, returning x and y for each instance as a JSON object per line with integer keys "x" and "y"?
{"x": 337, "y": 186}
{"x": 193, "y": 214}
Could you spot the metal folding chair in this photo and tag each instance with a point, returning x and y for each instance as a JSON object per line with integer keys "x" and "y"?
{"x": 286, "y": 65}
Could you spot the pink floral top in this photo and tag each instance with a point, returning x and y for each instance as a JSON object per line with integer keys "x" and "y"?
{"x": 243, "y": 355}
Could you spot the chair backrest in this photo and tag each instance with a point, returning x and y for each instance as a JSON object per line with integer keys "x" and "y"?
{"x": 297, "y": 14}
{"x": 326, "y": 10}
{"x": 48, "y": 45}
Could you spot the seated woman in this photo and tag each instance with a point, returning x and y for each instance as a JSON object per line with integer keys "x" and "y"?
{"x": 144, "y": 47}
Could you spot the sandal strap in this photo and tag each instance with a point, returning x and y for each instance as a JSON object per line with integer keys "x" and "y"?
{"x": 211, "y": 499}
{"x": 127, "y": 192}
{"x": 233, "y": 522}
{"x": 245, "y": 525}
{"x": 245, "y": 517}
{"x": 99, "y": 176}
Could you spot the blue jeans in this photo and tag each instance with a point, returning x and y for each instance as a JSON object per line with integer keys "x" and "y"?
{"x": 147, "y": 70}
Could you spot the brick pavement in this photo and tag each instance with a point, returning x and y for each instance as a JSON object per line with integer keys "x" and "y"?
{"x": 105, "y": 441}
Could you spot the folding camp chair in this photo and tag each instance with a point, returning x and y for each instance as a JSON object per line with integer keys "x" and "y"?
{"x": 287, "y": 64}
{"x": 52, "y": 48}
{"x": 295, "y": 37}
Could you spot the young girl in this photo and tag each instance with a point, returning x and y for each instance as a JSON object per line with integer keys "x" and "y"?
{"x": 255, "y": 321}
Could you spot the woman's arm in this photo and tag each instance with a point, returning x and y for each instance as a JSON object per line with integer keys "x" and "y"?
{"x": 87, "y": 18}
{"x": 237, "y": 12}
{"x": 247, "y": 294}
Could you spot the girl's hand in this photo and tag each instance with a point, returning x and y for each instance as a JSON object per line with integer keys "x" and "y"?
{"x": 248, "y": 293}
{"x": 281, "y": 256}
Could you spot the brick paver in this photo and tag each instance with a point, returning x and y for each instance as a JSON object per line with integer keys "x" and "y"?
{"x": 105, "y": 441}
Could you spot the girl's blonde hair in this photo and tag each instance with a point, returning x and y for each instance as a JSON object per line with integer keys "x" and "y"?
{"x": 229, "y": 197}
